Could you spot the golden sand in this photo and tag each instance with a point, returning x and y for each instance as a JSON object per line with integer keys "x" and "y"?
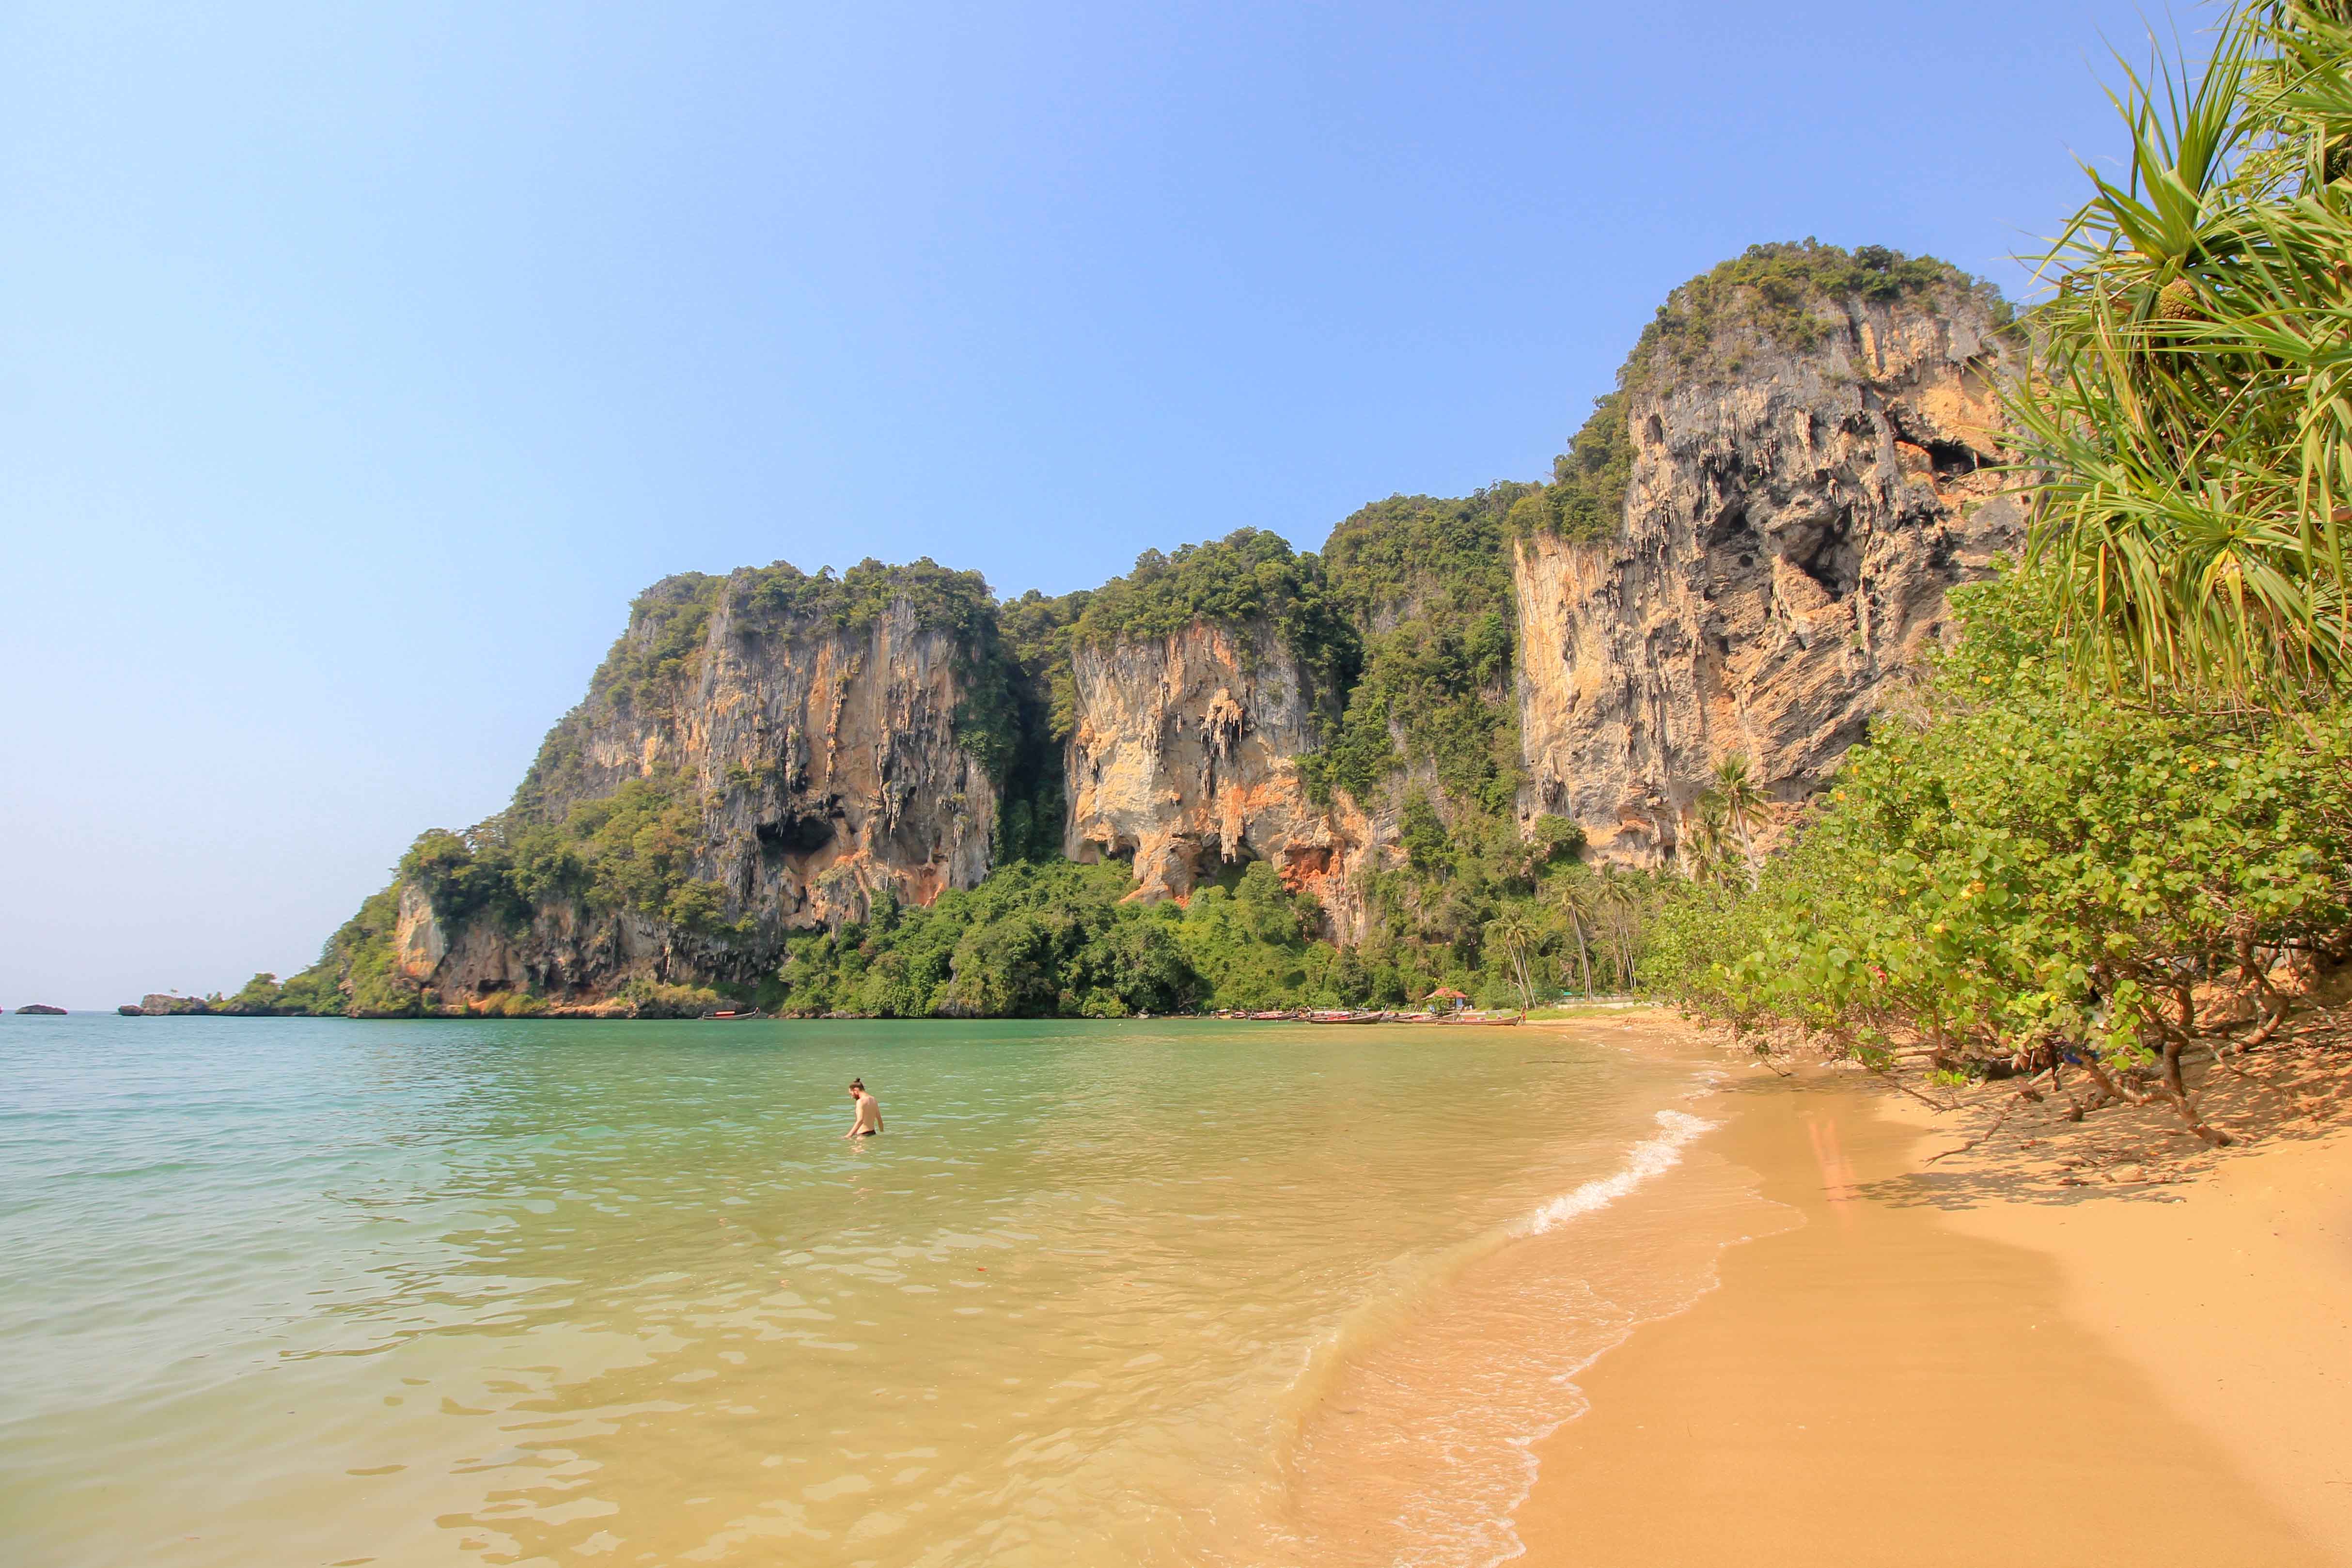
{"x": 2047, "y": 1354}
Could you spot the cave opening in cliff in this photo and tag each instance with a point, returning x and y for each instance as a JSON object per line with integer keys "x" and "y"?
{"x": 795, "y": 835}
{"x": 1952, "y": 459}
{"x": 1826, "y": 552}
{"x": 1213, "y": 866}
{"x": 1730, "y": 527}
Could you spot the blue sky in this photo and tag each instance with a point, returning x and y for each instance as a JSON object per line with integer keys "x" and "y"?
{"x": 359, "y": 362}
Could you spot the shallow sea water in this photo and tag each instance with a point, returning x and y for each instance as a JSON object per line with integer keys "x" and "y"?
{"x": 319, "y": 1291}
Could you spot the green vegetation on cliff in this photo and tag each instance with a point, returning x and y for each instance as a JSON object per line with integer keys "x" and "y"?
{"x": 1586, "y": 498}
{"x": 1249, "y": 582}
{"x": 1040, "y": 698}
{"x": 358, "y": 971}
{"x": 633, "y": 849}
{"x": 1777, "y": 291}
{"x": 1427, "y": 583}
{"x": 653, "y": 665}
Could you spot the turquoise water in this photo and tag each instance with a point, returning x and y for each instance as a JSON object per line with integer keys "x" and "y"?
{"x": 319, "y": 1291}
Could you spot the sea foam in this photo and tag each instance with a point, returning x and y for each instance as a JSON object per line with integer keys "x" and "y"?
{"x": 1650, "y": 1157}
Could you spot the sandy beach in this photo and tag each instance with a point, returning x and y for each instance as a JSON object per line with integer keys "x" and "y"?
{"x": 2075, "y": 1343}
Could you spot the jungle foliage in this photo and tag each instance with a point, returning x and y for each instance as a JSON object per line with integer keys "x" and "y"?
{"x": 1058, "y": 940}
{"x": 2192, "y": 407}
{"x": 2030, "y": 872}
{"x": 1777, "y": 291}
{"x": 1586, "y": 498}
{"x": 634, "y": 849}
{"x": 1429, "y": 586}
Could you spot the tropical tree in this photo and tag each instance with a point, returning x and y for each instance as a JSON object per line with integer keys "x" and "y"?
{"x": 1704, "y": 852}
{"x": 1516, "y": 932}
{"x": 1622, "y": 899}
{"x": 1743, "y": 802}
{"x": 1578, "y": 903}
{"x": 2190, "y": 412}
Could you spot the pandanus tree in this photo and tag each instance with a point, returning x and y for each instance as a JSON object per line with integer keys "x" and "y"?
{"x": 2189, "y": 415}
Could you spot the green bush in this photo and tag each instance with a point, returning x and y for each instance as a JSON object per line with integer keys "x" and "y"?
{"x": 1061, "y": 940}
{"x": 2033, "y": 870}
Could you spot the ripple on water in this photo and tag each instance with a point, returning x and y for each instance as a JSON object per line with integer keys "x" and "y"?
{"x": 437, "y": 1292}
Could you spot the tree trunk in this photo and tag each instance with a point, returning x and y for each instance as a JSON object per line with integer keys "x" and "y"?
{"x": 2180, "y": 1101}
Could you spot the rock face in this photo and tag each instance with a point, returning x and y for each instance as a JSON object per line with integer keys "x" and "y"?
{"x": 1185, "y": 759}
{"x": 163, "y": 1005}
{"x": 1802, "y": 484}
{"x": 565, "y": 950}
{"x": 827, "y": 757}
{"x": 826, "y": 765}
{"x": 1794, "y": 521}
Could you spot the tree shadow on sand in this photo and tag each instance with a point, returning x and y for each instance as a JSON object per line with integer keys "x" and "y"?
{"x": 2000, "y": 1147}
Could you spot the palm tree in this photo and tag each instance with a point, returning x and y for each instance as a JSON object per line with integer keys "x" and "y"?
{"x": 1743, "y": 801}
{"x": 1704, "y": 850}
{"x": 2191, "y": 406}
{"x": 1620, "y": 900}
{"x": 1575, "y": 899}
{"x": 1519, "y": 936}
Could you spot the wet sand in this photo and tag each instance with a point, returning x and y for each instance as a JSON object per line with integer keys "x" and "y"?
{"x": 1994, "y": 1360}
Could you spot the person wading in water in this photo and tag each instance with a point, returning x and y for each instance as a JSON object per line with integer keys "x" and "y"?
{"x": 868, "y": 1121}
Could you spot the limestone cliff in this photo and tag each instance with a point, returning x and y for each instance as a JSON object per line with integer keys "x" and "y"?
{"x": 803, "y": 736}
{"x": 1186, "y": 758}
{"x": 1747, "y": 552}
{"x": 1799, "y": 502}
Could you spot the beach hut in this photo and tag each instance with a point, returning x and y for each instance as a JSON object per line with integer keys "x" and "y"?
{"x": 1445, "y": 999}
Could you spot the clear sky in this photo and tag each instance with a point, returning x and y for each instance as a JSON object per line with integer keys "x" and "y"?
{"x": 359, "y": 363}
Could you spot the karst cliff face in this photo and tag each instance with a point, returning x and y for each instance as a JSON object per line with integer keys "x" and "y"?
{"x": 1794, "y": 522}
{"x": 1752, "y": 558}
{"x": 1185, "y": 757}
{"x": 817, "y": 766}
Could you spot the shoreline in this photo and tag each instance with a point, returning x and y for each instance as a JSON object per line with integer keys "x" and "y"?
{"x": 2083, "y": 1345}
